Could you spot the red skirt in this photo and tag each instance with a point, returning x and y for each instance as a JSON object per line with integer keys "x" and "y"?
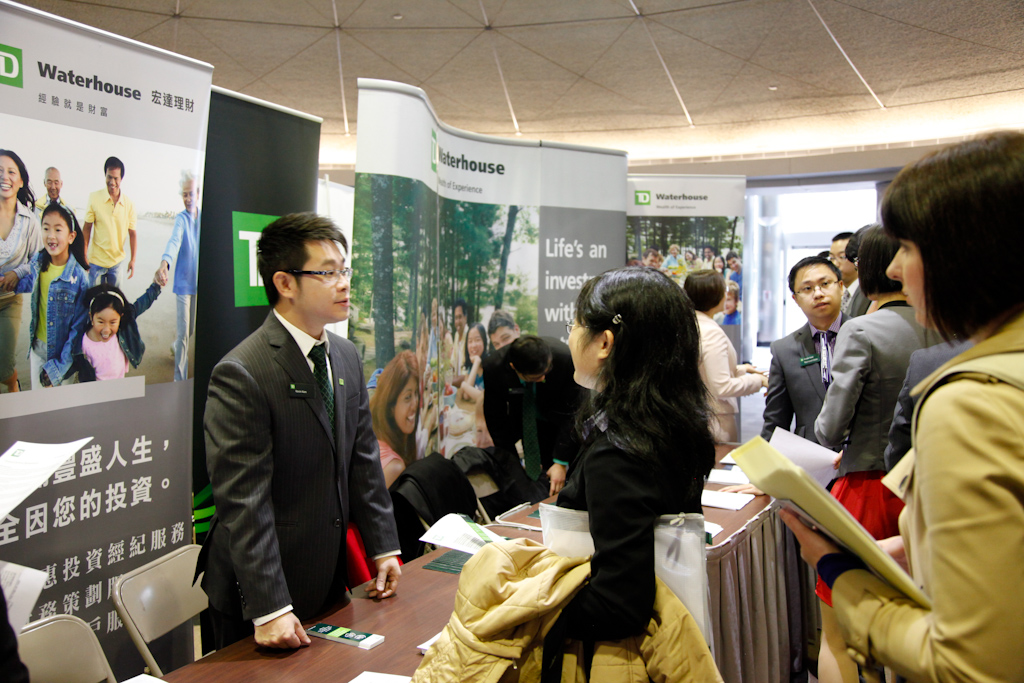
{"x": 872, "y": 504}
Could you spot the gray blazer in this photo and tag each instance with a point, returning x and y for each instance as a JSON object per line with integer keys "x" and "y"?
{"x": 870, "y": 364}
{"x": 859, "y": 303}
{"x": 285, "y": 485}
{"x": 923, "y": 362}
{"x": 794, "y": 390}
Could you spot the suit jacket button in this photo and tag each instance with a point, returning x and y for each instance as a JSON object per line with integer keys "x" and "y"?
{"x": 337, "y": 523}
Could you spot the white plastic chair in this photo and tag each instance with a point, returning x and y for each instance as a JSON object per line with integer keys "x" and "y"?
{"x": 158, "y": 597}
{"x": 63, "y": 649}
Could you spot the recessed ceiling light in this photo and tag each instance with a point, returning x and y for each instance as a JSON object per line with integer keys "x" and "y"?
{"x": 397, "y": 16}
{"x": 773, "y": 88}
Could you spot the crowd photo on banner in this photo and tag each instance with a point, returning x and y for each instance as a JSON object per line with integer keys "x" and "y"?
{"x": 681, "y": 245}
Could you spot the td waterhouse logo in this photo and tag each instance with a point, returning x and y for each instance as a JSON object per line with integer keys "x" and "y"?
{"x": 10, "y": 66}
{"x": 642, "y": 197}
{"x": 247, "y": 228}
{"x": 433, "y": 150}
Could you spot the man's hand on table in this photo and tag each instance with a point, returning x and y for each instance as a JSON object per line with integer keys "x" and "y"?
{"x": 283, "y": 632}
{"x": 556, "y": 475}
{"x": 388, "y": 571}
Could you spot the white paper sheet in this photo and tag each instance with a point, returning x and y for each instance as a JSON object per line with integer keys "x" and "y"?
{"x": 727, "y": 460}
{"x": 423, "y": 647}
{"x": 728, "y": 477}
{"x": 25, "y": 466}
{"x": 726, "y": 501}
{"x": 814, "y": 458}
{"x": 712, "y": 528}
{"x": 373, "y": 677}
{"x": 22, "y": 586}
{"x": 456, "y": 532}
{"x": 566, "y": 531}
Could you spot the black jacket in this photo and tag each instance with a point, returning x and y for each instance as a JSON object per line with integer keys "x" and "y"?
{"x": 558, "y": 398}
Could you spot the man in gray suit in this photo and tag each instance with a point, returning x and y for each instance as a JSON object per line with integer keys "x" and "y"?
{"x": 291, "y": 451}
{"x": 796, "y": 383}
{"x": 843, "y": 255}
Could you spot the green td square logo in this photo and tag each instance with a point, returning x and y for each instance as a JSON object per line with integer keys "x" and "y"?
{"x": 247, "y": 228}
{"x": 433, "y": 150}
{"x": 10, "y": 66}
{"x": 642, "y": 197}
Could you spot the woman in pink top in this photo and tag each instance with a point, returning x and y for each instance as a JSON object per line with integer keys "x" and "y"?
{"x": 724, "y": 378}
{"x": 394, "y": 407}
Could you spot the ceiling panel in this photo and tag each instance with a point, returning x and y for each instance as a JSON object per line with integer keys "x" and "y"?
{"x": 585, "y": 70}
{"x": 293, "y": 12}
{"x": 534, "y": 12}
{"x": 179, "y": 35}
{"x": 415, "y": 15}
{"x": 575, "y": 47}
{"x": 418, "y": 53}
{"x": 123, "y": 22}
{"x": 735, "y": 29}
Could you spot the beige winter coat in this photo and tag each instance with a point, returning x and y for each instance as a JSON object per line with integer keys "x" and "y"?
{"x": 962, "y": 527}
{"x": 511, "y": 593}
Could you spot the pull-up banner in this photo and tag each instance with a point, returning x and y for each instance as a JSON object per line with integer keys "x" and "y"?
{"x": 452, "y": 225}
{"x": 682, "y": 223}
{"x": 71, "y": 99}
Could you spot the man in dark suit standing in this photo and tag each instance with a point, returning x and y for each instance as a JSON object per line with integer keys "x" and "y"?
{"x": 530, "y": 396}
{"x": 291, "y": 452}
{"x": 799, "y": 373}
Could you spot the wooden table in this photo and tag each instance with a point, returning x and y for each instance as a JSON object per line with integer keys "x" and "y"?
{"x": 417, "y": 612}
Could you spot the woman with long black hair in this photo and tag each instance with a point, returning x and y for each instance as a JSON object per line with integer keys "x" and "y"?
{"x": 647, "y": 444}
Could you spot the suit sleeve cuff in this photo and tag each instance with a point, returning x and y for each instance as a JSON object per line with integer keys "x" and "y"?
{"x": 383, "y": 556}
{"x": 563, "y": 463}
{"x": 267, "y": 618}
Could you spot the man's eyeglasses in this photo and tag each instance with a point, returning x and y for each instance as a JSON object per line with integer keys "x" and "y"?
{"x": 330, "y": 277}
{"x": 826, "y": 286}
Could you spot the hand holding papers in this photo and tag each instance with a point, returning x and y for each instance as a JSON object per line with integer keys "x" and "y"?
{"x": 817, "y": 460}
{"x": 777, "y": 476}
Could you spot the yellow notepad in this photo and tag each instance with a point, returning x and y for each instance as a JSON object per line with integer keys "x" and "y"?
{"x": 776, "y": 475}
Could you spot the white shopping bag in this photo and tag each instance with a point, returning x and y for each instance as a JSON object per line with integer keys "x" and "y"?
{"x": 680, "y": 560}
